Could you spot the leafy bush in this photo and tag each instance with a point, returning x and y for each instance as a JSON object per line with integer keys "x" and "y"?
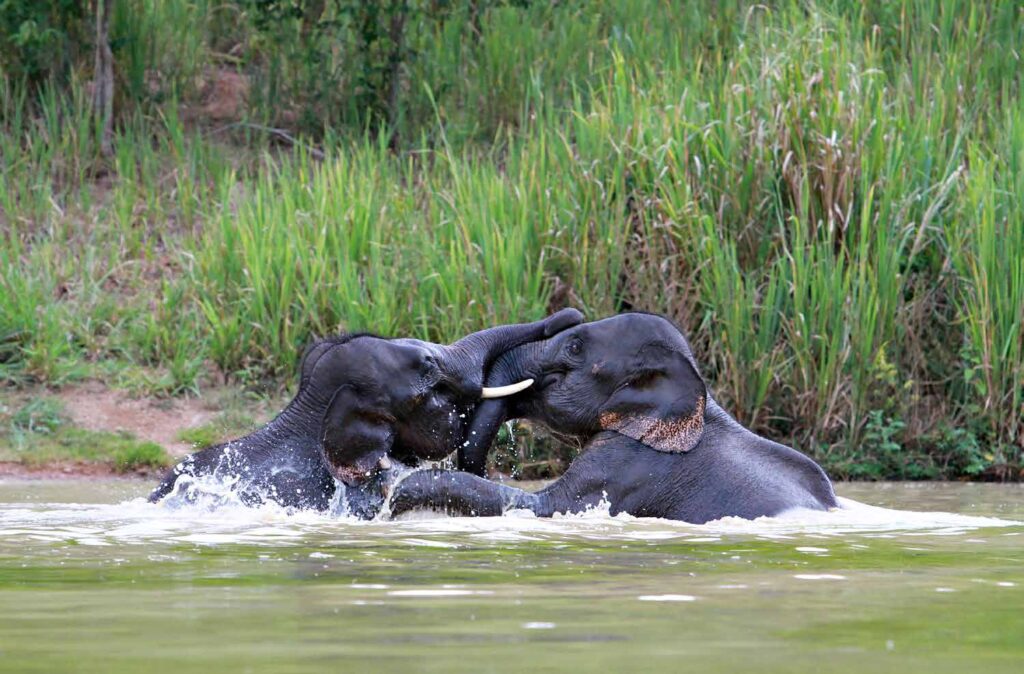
{"x": 200, "y": 437}
{"x": 880, "y": 455}
{"x": 133, "y": 455}
{"x": 41, "y": 38}
{"x": 39, "y": 415}
{"x": 963, "y": 454}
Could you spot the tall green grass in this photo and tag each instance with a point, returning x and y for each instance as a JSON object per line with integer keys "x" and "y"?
{"x": 826, "y": 195}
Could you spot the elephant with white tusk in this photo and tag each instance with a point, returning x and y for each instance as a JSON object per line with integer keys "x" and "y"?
{"x": 365, "y": 403}
{"x": 655, "y": 443}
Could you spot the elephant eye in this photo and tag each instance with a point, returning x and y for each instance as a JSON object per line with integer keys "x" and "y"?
{"x": 574, "y": 347}
{"x": 427, "y": 365}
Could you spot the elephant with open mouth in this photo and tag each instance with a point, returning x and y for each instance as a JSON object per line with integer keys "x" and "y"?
{"x": 655, "y": 443}
{"x": 364, "y": 403}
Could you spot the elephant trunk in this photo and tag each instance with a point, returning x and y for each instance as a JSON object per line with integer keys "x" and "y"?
{"x": 516, "y": 365}
{"x": 468, "y": 359}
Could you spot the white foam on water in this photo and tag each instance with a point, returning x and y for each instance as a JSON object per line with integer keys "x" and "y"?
{"x": 667, "y": 597}
{"x": 853, "y": 517}
{"x": 441, "y": 592}
{"x": 220, "y": 520}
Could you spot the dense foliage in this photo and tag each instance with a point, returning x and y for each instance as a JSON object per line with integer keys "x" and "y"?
{"x": 828, "y": 196}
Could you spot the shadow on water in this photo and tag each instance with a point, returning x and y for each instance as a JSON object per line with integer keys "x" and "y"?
{"x": 92, "y": 578}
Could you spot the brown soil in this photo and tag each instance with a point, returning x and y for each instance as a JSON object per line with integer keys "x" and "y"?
{"x": 68, "y": 470}
{"x": 224, "y": 93}
{"x": 97, "y": 408}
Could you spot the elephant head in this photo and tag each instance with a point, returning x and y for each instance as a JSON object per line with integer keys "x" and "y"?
{"x": 405, "y": 398}
{"x": 633, "y": 374}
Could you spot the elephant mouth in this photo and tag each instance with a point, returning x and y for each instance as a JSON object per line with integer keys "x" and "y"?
{"x": 438, "y": 430}
{"x": 360, "y": 473}
{"x": 351, "y": 476}
{"x": 551, "y": 378}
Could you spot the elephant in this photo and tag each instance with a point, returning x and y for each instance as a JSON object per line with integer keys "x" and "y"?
{"x": 655, "y": 443}
{"x": 365, "y": 405}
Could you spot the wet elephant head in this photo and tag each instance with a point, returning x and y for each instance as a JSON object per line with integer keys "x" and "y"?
{"x": 405, "y": 398}
{"x": 633, "y": 374}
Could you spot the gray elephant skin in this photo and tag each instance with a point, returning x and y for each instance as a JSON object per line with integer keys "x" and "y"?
{"x": 363, "y": 400}
{"x": 628, "y": 391}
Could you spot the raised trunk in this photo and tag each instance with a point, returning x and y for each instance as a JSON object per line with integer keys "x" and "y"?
{"x": 522, "y": 362}
{"x": 470, "y": 357}
{"x": 512, "y": 366}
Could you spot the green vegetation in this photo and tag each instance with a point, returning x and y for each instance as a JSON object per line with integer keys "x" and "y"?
{"x": 131, "y": 455}
{"x": 229, "y": 424}
{"x": 39, "y": 434}
{"x": 200, "y": 437}
{"x": 828, "y": 196}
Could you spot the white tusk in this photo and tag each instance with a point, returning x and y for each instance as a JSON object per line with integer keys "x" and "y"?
{"x": 384, "y": 463}
{"x": 502, "y": 391}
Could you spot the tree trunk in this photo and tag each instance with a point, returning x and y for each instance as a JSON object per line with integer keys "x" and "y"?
{"x": 396, "y": 57}
{"x": 311, "y": 15}
{"x": 103, "y": 79}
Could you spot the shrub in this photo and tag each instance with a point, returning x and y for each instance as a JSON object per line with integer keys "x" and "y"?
{"x": 40, "y": 39}
{"x": 133, "y": 455}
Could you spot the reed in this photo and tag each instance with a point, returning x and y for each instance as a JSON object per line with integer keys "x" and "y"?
{"x": 825, "y": 195}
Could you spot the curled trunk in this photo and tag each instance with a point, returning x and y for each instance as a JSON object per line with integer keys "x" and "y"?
{"x": 469, "y": 358}
{"x": 517, "y": 365}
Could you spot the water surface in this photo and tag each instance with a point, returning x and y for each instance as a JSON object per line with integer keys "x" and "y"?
{"x": 93, "y": 579}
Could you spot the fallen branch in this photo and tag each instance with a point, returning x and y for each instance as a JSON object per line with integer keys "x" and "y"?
{"x": 280, "y": 133}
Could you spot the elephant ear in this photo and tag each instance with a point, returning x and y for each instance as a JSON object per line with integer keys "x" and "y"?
{"x": 661, "y": 404}
{"x": 356, "y": 433}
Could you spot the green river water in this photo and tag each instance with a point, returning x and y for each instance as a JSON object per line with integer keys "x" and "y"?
{"x": 92, "y": 579}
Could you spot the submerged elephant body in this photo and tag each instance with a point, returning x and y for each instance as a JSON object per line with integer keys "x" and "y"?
{"x": 722, "y": 478}
{"x": 262, "y": 467}
{"x": 655, "y": 443}
{"x": 289, "y": 473}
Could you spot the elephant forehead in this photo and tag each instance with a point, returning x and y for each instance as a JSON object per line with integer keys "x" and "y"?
{"x": 407, "y": 352}
{"x": 648, "y": 323}
{"x": 411, "y": 343}
{"x": 624, "y": 347}
{"x": 634, "y": 335}
{"x": 364, "y": 361}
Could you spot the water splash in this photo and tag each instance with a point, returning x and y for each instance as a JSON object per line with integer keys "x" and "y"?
{"x": 204, "y": 492}
{"x": 398, "y": 476}
{"x": 210, "y": 512}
